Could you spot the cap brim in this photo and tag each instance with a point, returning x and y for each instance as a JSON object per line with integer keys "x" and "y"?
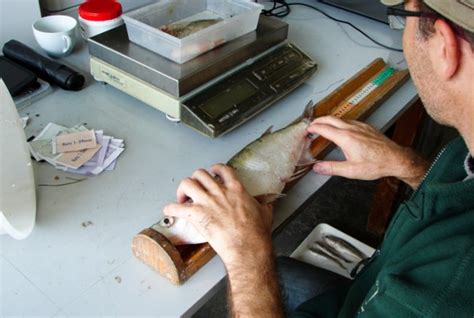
{"x": 392, "y": 2}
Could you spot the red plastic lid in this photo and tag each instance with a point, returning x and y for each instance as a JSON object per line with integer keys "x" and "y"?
{"x": 100, "y": 10}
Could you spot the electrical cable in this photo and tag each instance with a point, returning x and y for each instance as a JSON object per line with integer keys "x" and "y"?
{"x": 281, "y": 9}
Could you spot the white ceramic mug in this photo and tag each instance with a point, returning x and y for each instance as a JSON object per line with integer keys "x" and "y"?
{"x": 56, "y": 34}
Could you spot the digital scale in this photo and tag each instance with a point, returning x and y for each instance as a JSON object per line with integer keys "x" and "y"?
{"x": 214, "y": 92}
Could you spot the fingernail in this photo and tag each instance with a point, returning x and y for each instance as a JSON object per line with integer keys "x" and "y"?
{"x": 320, "y": 168}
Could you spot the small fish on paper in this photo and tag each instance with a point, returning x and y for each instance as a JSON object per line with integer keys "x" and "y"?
{"x": 74, "y": 141}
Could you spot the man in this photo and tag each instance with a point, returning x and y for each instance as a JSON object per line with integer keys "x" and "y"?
{"x": 425, "y": 266}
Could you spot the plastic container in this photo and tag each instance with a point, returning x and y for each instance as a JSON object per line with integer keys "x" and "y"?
{"x": 238, "y": 18}
{"x": 97, "y": 16}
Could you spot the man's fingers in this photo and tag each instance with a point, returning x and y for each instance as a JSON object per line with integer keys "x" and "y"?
{"x": 190, "y": 213}
{"x": 337, "y": 168}
{"x": 331, "y": 120}
{"x": 178, "y": 210}
{"x": 189, "y": 189}
{"x": 358, "y": 123}
{"x": 332, "y": 133}
{"x": 207, "y": 181}
{"x": 226, "y": 173}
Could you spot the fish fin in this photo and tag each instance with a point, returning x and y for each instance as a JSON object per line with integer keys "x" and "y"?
{"x": 269, "y": 197}
{"x": 308, "y": 113}
{"x": 267, "y": 132}
{"x": 306, "y": 156}
{"x": 305, "y": 164}
{"x": 296, "y": 175}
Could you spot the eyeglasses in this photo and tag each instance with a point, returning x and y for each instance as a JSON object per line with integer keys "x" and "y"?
{"x": 397, "y": 17}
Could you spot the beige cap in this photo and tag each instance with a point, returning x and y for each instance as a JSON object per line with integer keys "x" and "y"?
{"x": 392, "y": 2}
{"x": 460, "y": 12}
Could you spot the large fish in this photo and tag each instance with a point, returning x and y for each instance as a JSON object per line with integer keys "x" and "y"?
{"x": 264, "y": 167}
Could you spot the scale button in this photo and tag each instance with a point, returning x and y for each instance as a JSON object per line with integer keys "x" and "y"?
{"x": 269, "y": 69}
{"x": 293, "y": 76}
{"x": 276, "y": 86}
{"x": 283, "y": 83}
{"x": 259, "y": 75}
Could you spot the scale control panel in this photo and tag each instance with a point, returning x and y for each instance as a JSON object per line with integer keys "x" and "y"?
{"x": 234, "y": 100}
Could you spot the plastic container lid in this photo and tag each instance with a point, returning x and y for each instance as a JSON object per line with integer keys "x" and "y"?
{"x": 100, "y": 10}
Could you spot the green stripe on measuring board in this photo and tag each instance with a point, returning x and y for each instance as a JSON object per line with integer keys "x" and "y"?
{"x": 370, "y": 87}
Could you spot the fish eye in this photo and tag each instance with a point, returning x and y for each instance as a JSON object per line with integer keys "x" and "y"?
{"x": 167, "y": 221}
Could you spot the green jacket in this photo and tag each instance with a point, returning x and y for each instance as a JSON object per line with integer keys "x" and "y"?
{"x": 425, "y": 266}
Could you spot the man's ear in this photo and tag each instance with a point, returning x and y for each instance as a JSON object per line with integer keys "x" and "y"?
{"x": 444, "y": 50}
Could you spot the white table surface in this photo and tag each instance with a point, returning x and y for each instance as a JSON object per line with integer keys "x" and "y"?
{"x": 65, "y": 269}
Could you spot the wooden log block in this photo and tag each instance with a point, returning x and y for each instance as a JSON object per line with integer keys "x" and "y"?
{"x": 175, "y": 263}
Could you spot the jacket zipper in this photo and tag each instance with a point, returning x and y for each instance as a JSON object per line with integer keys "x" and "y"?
{"x": 377, "y": 251}
{"x": 423, "y": 181}
{"x": 362, "y": 308}
{"x": 428, "y": 171}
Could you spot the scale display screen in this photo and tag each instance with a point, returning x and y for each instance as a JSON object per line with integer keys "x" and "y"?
{"x": 224, "y": 101}
{"x": 235, "y": 99}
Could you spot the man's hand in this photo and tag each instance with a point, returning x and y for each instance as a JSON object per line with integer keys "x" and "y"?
{"x": 239, "y": 229}
{"x": 232, "y": 221}
{"x": 369, "y": 154}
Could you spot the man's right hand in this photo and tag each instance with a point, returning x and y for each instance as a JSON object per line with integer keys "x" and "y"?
{"x": 369, "y": 154}
{"x": 234, "y": 223}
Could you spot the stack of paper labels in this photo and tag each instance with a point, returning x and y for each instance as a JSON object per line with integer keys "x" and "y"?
{"x": 76, "y": 149}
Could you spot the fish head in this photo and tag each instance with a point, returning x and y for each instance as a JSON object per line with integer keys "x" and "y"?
{"x": 178, "y": 231}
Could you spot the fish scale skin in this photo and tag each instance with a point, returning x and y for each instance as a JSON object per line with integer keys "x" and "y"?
{"x": 265, "y": 165}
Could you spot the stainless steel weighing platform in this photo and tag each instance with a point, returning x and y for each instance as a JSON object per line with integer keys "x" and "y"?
{"x": 214, "y": 92}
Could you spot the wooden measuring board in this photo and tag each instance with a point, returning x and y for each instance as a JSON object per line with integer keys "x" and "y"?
{"x": 358, "y": 97}
{"x": 355, "y": 99}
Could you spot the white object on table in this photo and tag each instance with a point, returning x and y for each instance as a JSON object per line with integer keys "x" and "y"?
{"x": 17, "y": 185}
{"x": 56, "y": 34}
{"x": 304, "y": 254}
